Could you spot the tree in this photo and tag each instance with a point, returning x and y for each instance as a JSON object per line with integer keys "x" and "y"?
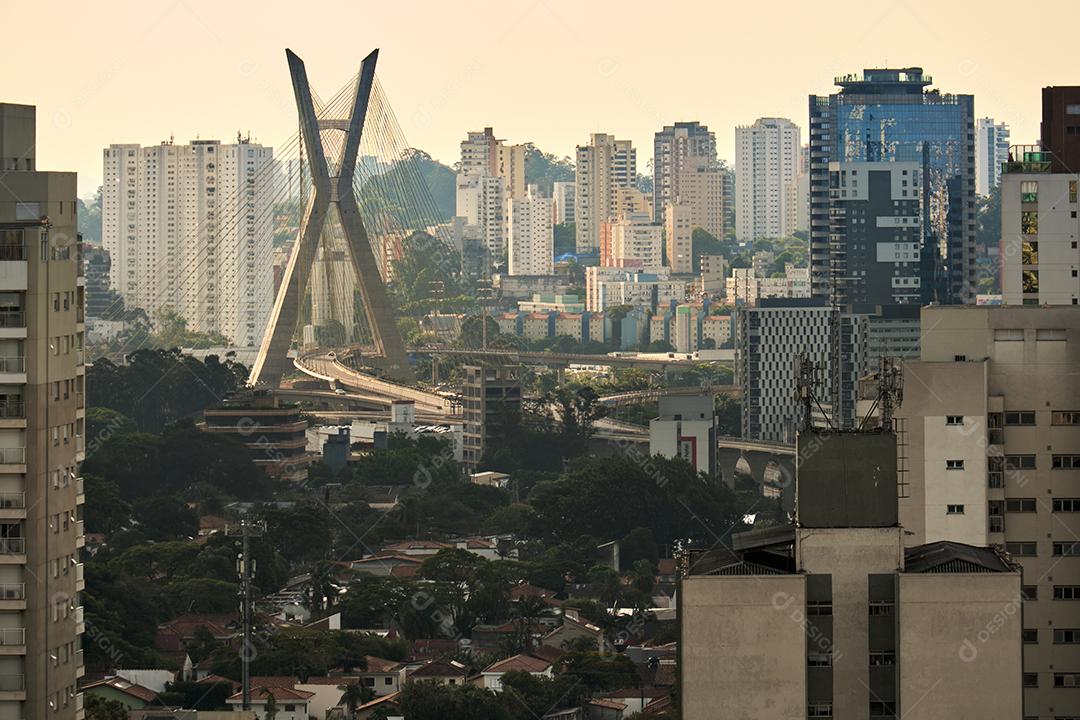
{"x": 106, "y": 510}
{"x": 565, "y": 238}
{"x": 432, "y": 701}
{"x": 99, "y": 708}
{"x": 638, "y": 544}
{"x": 166, "y": 517}
{"x": 356, "y": 695}
{"x": 660, "y": 346}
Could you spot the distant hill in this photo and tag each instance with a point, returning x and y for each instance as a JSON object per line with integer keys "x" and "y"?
{"x": 543, "y": 169}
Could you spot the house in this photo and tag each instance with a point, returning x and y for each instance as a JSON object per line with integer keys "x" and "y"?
{"x": 391, "y": 703}
{"x": 174, "y": 636}
{"x": 210, "y": 524}
{"x": 601, "y": 709}
{"x": 385, "y": 565}
{"x": 492, "y": 674}
{"x": 443, "y": 672}
{"x": 282, "y": 703}
{"x": 154, "y": 680}
{"x": 570, "y": 630}
{"x": 383, "y": 677}
{"x": 490, "y": 478}
{"x": 130, "y": 695}
{"x": 384, "y": 497}
{"x": 425, "y": 649}
{"x": 325, "y": 692}
{"x": 635, "y": 699}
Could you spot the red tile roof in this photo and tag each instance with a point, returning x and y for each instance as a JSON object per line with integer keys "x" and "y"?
{"x": 526, "y": 663}
{"x": 440, "y": 668}
{"x": 381, "y": 665}
{"x": 279, "y": 693}
{"x": 139, "y": 692}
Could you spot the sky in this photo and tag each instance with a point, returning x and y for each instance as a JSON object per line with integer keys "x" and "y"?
{"x": 546, "y": 71}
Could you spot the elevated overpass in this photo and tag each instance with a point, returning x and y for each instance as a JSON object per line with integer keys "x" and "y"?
{"x": 656, "y": 361}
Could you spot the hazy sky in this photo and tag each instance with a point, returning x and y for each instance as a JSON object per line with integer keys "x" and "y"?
{"x": 547, "y": 71}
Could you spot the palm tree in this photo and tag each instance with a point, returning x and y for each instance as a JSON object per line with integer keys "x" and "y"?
{"x": 356, "y": 695}
{"x": 528, "y": 611}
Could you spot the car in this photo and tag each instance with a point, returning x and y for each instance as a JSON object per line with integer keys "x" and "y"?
{"x": 339, "y": 391}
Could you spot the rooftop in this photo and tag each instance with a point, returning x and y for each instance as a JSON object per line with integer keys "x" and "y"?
{"x": 885, "y": 81}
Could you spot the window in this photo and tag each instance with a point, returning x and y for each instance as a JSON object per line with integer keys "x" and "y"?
{"x": 388, "y": 681}
{"x": 1022, "y": 417}
{"x": 1067, "y": 680}
{"x": 1029, "y": 222}
{"x": 954, "y": 464}
{"x": 1030, "y": 635}
{"x": 369, "y": 681}
{"x": 1067, "y": 592}
{"x": 1031, "y": 680}
{"x": 1067, "y": 549}
{"x": 1029, "y": 592}
{"x": 1022, "y": 548}
{"x": 819, "y": 607}
{"x": 882, "y": 709}
{"x": 1009, "y": 335}
{"x": 1029, "y": 252}
{"x": 881, "y": 607}
{"x": 819, "y": 710}
{"x": 1065, "y": 462}
{"x": 1020, "y": 505}
{"x": 954, "y": 419}
{"x": 1029, "y": 191}
{"x": 1050, "y": 334}
{"x": 819, "y": 660}
{"x": 880, "y": 659}
{"x": 1066, "y": 636}
{"x": 1019, "y": 462}
{"x": 954, "y": 509}
{"x": 995, "y": 471}
{"x": 1066, "y": 505}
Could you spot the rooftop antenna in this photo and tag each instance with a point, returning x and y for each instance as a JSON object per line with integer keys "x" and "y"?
{"x": 808, "y": 375}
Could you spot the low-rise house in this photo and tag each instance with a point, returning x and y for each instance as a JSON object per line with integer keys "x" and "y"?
{"x": 490, "y": 478}
{"x": 384, "y": 565}
{"x": 570, "y": 630}
{"x": 275, "y": 703}
{"x": 492, "y": 674}
{"x": 443, "y": 672}
{"x": 325, "y": 692}
{"x": 390, "y": 703}
{"x": 602, "y": 709}
{"x": 383, "y": 677}
{"x": 130, "y": 695}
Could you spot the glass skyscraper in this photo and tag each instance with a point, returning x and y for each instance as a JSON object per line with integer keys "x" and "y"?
{"x": 887, "y": 115}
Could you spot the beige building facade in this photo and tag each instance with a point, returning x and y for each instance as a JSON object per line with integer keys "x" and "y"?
{"x": 42, "y": 441}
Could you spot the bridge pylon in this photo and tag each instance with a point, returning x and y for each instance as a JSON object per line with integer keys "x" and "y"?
{"x": 334, "y": 203}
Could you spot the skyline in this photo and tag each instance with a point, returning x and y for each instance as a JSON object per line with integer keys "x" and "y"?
{"x": 127, "y": 93}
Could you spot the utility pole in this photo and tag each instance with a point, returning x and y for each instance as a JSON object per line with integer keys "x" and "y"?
{"x": 245, "y": 568}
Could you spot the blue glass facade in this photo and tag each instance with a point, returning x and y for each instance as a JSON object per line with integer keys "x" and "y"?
{"x": 883, "y": 118}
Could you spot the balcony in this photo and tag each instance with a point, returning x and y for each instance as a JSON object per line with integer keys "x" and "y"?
{"x": 80, "y": 534}
{"x": 12, "y": 456}
{"x": 12, "y": 639}
{"x": 1027, "y": 159}
{"x": 80, "y": 664}
{"x": 80, "y": 399}
{"x": 12, "y": 546}
{"x": 12, "y": 684}
{"x": 12, "y": 591}
{"x": 12, "y": 319}
{"x": 12, "y": 505}
{"x": 12, "y": 364}
{"x": 80, "y": 577}
{"x": 13, "y": 251}
{"x": 80, "y": 486}
{"x": 11, "y": 406}
{"x": 80, "y": 620}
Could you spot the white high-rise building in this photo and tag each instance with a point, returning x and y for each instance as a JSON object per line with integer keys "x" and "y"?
{"x": 189, "y": 230}
{"x": 766, "y": 185}
{"x": 562, "y": 207}
{"x": 603, "y": 167}
{"x": 530, "y": 242}
{"x": 991, "y": 149}
{"x": 484, "y": 154}
{"x": 481, "y": 200}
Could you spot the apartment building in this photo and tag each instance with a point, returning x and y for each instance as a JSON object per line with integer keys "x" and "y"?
{"x": 530, "y": 242}
{"x": 484, "y": 154}
{"x": 674, "y": 148}
{"x": 562, "y": 202}
{"x": 1040, "y": 262}
{"x": 607, "y": 287}
{"x": 636, "y": 243}
{"x": 679, "y": 238}
{"x": 708, "y": 187}
{"x": 990, "y": 433}
{"x": 991, "y": 151}
{"x": 189, "y": 229}
{"x": 481, "y": 201}
{"x": 834, "y": 616}
{"x": 491, "y": 396}
{"x": 603, "y": 166}
{"x": 42, "y": 421}
{"x": 766, "y": 187}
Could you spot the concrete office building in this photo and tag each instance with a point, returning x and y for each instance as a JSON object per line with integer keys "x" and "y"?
{"x": 769, "y": 338}
{"x": 530, "y": 242}
{"x": 887, "y": 115}
{"x": 991, "y": 150}
{"x": 875, "y": 232}
{"x": 674, "y": 148}
{"x": 189, "y": 230}
{"x": 833, "y": 617}
{"x": 1040, "y": 262}
{"x": 990, "y": 434}
{"x": 491, "y": 396}
{"x": 686, "y": 428}
{"x": 42, "y": 424}
{"x": 678, "y": 238}
{"x": 562, "y": 202}
{"x": 766, "y": 187}
{"x": 603, "y": 166}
